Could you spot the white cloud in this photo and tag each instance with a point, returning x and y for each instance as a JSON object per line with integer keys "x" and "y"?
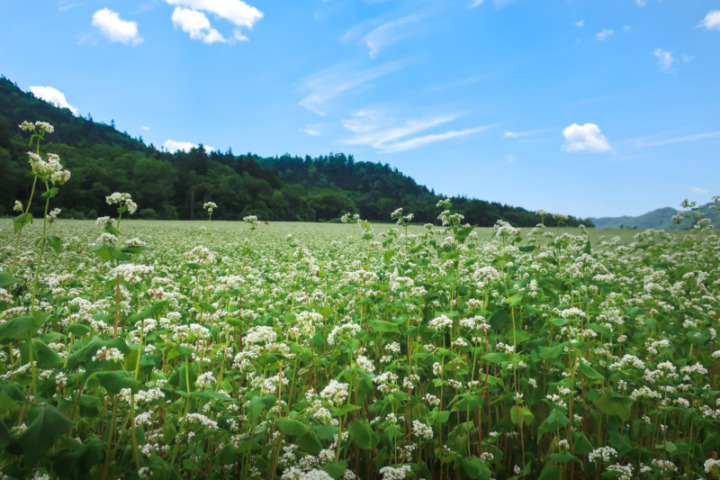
{"x": 641, "y": 3}
{"x": 389, "y": 135}
{"x": 237, "y": 12}
{"x": 313, "y": 132}
{"x": 328, "y": 84}
{"x": 389, "y": 33}
{"x": 476, "y": 3}
{"x": 665, "y": 60}
{"x": 115, "y": 29}
{"x": 701, "y": 191}
{"x": 144, "y": 127}
{"x": 711, "y": 20}
{"x": 606, "y": 33}
{"x": 580, "y": 23}
{"x": 196, "y": 24}
{"x": 54, "y": 96}
{"x": 585, "y": 138}
{"x": 173, "y": 146}
{"x": 510, "y": 158}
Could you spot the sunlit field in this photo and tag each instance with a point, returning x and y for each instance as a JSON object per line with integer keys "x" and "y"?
{"x": 294, "y": 350}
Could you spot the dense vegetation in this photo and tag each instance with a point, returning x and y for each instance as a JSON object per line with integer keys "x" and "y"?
{"x": 175, "y": 186}
{"x": 290, "y": 351}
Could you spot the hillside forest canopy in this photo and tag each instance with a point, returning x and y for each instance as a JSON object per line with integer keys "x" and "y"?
{"x": 175, "y": 185}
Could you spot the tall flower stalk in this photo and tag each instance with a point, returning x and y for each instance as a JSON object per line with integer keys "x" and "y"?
{"x": 38, "y": 129}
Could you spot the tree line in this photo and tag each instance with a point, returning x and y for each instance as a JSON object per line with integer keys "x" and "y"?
{"x": 175, "y": 185}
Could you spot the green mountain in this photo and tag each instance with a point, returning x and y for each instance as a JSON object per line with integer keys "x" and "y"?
{"x": 103, "y": 160}
{"x": 660, "y": 219}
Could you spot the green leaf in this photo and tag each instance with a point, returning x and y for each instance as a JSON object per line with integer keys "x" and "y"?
{"x": 134, "y": 249}
{"x": 6, "y": 279}
{"x": 21, "y": 327}
{"x": 384, "y": 327}
{"x": 344, "y": 410}
{"x": 496, "y": 357}
{"x": 611, "y": 407}
{"x": 476, "y": 468}
{"x": 553, "y": 422}
{"x": 47, "y": 426}
{"x": 115, "y": 381}
{"x": 467, "y": 402}
{"x": 228, "y": 455}
{"x": 440, "y": 416}
{"x": 6, "y": 437}
{"x": 581, "y": 444}
{"x": 668, "y": 446}
{"x": 112, "y": 230}
{"x": 290, "y": 426}
{"x": 564, "y": 457}
{"x": 148, "y": 312}
{"x": 600, "y": 329}
{"x": 551, "y": 352}
{"x": 55, "y": 243}
{"x": 325, "y": 432}
{"x": 527, "y": 416}
{"x": 363, "y": 434}
{"x": 463, "y": 233}
{"x": 107, "y": 252}
{"x": 46, "y": 357}
{"x": 515, "y": 300}
{"x": 550, "y": 472}
{"x": 336, "y": 470}
{"x": 22, "y": 220}
{"x": 79, "y": 329}
{"x": 560, "y": 322}
{"x": 590, "y": 372}
{"x": 50, "y": 193}
{"x": 309, "y": 443}
{"x": 211, "y": 395}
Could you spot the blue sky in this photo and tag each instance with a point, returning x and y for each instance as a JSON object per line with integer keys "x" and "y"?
{"x": 587, "y": 107}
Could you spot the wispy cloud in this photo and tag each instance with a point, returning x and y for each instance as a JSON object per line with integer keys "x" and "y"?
{"x": 701, "y": 191}
{"x": 65, "y": 5}
{"x": 390, "y": 135}
{"x": 585, "y": 138}
{"x": 312, "y": 130}
{"x": 604, "y": 34}
{"x": 418, "y": 142}
{"x": 580, "y": 23}
{"x": 54, "y": 96}
{"x": 665, "y": 60}
{"x": 711, "y": 20}
{"x": 654, "y": 141}
{"x": 115, "y": 29}
{"x": 588, "y": 101}
{"x": 497, "y": 3}
{"x": 526, "y": 133}
{"x": 391, "y": 32}
{"x": 328, "y": 84}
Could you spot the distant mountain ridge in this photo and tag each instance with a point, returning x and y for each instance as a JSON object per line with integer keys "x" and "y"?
{"x": 660, "y": 219}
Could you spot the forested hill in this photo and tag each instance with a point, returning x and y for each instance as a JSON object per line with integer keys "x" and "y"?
{"x": 174, "y": 186}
